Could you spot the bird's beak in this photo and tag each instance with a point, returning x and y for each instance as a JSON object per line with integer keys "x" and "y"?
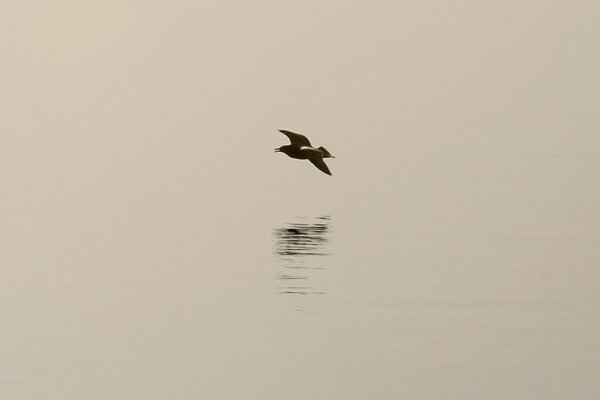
{"x": 277, "y": 150}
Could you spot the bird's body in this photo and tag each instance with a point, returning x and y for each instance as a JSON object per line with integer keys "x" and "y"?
{"x": 294, "y": 151}
{"x": 301, "y": 149}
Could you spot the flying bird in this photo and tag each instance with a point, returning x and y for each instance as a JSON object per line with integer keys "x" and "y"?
{"x": 301, "y": 149}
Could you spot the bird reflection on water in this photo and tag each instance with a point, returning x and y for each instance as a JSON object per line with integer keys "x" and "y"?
{"x": 298, "y": 246}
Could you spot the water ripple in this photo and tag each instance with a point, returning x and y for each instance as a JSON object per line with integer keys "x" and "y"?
{"x": 300, "y": 246}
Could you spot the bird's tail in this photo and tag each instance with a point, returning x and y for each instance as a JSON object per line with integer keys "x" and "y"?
{"x": 326, "y": 154}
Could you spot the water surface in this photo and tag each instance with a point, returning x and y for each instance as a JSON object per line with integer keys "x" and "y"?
{"x": 153, "y": 246}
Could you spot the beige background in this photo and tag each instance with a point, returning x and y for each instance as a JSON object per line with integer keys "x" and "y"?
{"x": 140, "y": 199}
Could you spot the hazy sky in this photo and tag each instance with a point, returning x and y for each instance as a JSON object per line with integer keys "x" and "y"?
{"x": 468, "y": 76}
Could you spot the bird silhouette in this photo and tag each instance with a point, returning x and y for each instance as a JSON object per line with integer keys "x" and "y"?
{"x": 300, "y": 148}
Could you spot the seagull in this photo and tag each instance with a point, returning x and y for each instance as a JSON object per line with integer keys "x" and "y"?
{"x": 301, "y": 149}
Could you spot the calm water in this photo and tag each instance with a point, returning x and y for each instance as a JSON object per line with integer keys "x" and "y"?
{"x": 153, "y": 246}
{"x": 412, "y": 295}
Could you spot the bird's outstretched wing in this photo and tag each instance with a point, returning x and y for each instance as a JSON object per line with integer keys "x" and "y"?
{"x": 316, "y": 158}
{"x": 296, "y": 138}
